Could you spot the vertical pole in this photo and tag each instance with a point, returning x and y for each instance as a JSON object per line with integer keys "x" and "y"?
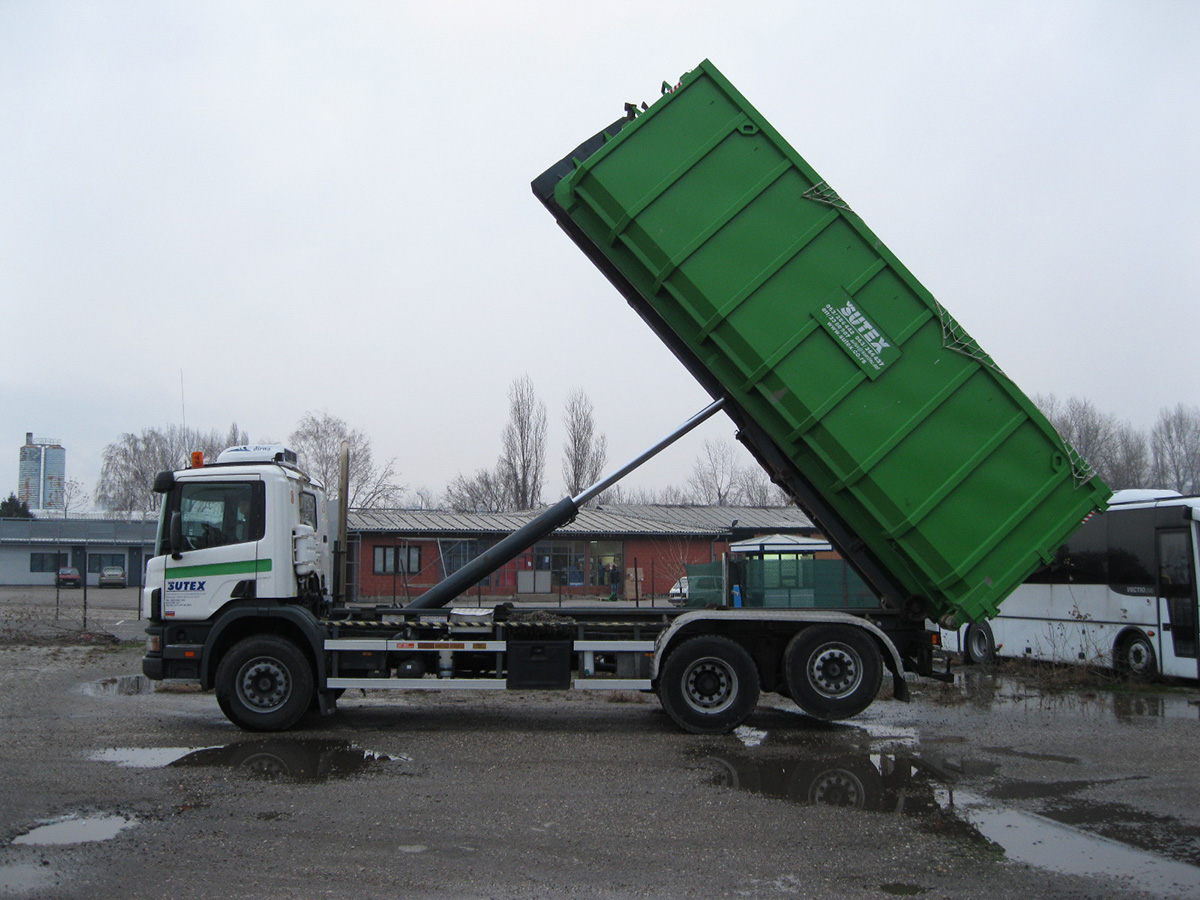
{"x": 343, "y": 508}
{"x": 85, "y": 581}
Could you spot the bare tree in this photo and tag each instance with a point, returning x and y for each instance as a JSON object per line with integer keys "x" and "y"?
{"x": 72, "y": 495}
{"x": 1090, "y": 432}
{"x": 1129, "y": 461}
{"x": 522, "y": 463}
{"x": 424, "y": 498}
{"x": 754, "y": 488}
{"x": 714, "y": 475}
{"x": 1175, "y": 440}
{"x": 129, "y": 464}
{"x": 642, "y": 496}
{"x": 584, "y": 451}
{"x": 317, "y": 440}
{"x": 676, "y": 495}
{"x": 481, "y": 492}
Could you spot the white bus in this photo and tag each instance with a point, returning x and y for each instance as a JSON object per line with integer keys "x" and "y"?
{"x": 1121, "y": 593}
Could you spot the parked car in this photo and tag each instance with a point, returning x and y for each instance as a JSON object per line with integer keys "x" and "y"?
{"x": 679, "y": 592}
{"x": 112, "y": 576}
{"x": 68, "y": 576}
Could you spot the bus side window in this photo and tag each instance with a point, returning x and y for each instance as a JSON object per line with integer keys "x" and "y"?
{"x": 1131, "y": 551}
{"x": 1083, "y": 559}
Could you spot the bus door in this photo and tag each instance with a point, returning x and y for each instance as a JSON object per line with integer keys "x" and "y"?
{"x": 1177, "y": 586}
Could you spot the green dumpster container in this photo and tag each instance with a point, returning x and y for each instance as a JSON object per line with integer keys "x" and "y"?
{"x": 924, "y": 464}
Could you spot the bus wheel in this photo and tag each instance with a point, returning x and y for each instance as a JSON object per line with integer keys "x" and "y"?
{"x": 264, "y": 684}
{"x": 833, "y": 671}
{"x": 1135, "y": 657}
{"x": 979, "y": 645}
{"x": 709, "y": 685}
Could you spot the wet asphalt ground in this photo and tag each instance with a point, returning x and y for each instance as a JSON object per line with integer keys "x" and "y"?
{"x": 1003, "y": 785}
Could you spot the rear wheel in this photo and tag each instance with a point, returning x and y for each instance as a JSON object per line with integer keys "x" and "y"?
{"x": 709, "y": 685}
{"x": 1135, "y": 657}
{"x": 264, "y": 684}
{"x": 833, "y": 671}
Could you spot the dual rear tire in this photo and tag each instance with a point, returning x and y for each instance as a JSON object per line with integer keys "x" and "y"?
{"x": 710, "y": 684}
{"x": 833, "y": 671}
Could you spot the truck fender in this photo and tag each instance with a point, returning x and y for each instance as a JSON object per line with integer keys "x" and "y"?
{"x": 233, "y": 617}
{"x": 687, "y": 622}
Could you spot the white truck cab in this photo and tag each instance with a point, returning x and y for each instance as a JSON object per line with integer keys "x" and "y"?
{"x": 248, "y": 527}
{"x": 245, "y": 535}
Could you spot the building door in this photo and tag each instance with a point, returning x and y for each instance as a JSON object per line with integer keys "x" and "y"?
{"x": 133, "y": 567}
{"x": 79, "y": 557}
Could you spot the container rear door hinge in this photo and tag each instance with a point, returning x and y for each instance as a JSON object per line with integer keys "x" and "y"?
{"x": 821, "y": 192}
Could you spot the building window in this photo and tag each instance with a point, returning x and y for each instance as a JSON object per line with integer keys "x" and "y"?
{"x": 47, "y": 562}
{"x": 401, "y": 560}
{"x": 458, "y": 552}
{"x": 606, "y": 564}
{"x": 565, "y": 559}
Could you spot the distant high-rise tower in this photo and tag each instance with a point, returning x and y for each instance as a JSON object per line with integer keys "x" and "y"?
{"x": 42, "y": 473}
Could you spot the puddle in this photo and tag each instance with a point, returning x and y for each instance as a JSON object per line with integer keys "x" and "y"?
{"x": 270, "y": 758}
{"x": 1002, "y": 692}
{"x": 1161, "y": 835}
{"x": 76, "y": 829}
{"x": 1042, "y": 842}
{"x": 121, "y": 686}
{"x": 876, "y": 782}
{"x": 1072, "y": 836}
{"x": 144, "y": 757}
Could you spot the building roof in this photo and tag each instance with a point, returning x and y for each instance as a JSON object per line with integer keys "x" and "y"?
{"x": 720, "y": 519}
{"x": 780, "y": 543}
{"x": 52, "y": 532}
{"x": 610, "y": 521}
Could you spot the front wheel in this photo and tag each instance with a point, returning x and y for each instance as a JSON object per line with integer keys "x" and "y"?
{"x": 709, "y": 685}
{"x": 264, "y": 684}
{"x": 833, "y": 671}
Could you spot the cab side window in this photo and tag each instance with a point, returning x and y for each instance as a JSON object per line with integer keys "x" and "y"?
{"x": 308, "y": 509}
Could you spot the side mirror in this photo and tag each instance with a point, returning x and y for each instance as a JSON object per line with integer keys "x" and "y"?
{"x": 176, "y": 534}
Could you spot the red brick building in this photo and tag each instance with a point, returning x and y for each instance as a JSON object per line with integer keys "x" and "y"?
{"x": 632, "y": 551}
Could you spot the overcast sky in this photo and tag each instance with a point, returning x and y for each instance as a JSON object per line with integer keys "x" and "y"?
{"x": 241, "y": 212}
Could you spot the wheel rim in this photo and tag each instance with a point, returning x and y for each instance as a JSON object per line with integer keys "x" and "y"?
{"x": 263, "y": 684}
{"x": 1137, "y": 655}
{"x": 837, "y": 787}
{"x": 978, "y": 644}
{"x": 834, "y": 670}
{"x": 710, "y": 685}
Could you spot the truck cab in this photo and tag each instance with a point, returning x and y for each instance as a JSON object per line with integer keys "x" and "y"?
{"x": 246, "y": 531}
